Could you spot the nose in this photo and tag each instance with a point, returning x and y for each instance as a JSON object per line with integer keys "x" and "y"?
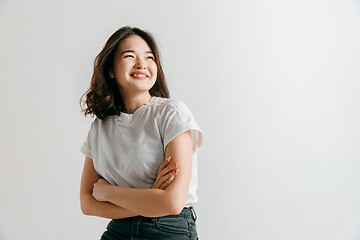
{"x": 140, "y": 64}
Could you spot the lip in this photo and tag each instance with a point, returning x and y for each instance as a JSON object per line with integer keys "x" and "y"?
{"x": 139, "y": 72}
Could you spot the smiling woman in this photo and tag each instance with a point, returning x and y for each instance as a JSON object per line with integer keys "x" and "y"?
{"x": 133, "y": 52}
{"x": 104, "y": 97}
{"x": 137, "y": 126}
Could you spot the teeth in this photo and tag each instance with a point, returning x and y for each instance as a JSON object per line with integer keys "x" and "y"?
{"x": 139, "y": 75}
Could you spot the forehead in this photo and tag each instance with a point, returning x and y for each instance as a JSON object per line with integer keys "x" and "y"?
{"x": 134, "y": 42}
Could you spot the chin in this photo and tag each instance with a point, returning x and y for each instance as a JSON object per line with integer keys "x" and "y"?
{"x": 146, "y": 86}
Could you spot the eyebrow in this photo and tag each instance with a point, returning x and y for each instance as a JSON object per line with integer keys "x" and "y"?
{"x": 134, "y": 52}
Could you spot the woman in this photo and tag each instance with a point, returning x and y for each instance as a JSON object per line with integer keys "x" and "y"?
{"x": 125, "y": 177}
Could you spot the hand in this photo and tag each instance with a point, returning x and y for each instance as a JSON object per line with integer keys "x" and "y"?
{"x": 99, "y": 189}
{"x": 166, "y": 174}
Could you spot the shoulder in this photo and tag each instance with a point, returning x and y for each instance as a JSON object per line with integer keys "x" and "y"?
{"x": 95, "y": 124}
{"x": 170, "y": 103}
{"x": 174, "y": 110}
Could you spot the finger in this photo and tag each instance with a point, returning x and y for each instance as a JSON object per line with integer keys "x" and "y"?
{"x": 156, "y": 184}
{"x": 168, "y": 177}
{"x": 165, "y": 163}
{"x": 167, "y": 182}
{"x": 169, "y": 168}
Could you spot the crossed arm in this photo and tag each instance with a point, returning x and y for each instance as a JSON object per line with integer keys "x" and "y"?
{"x": 119, "y": 202}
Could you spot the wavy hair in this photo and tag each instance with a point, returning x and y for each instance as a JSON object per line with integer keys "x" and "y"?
{"x": 103, "y": 98}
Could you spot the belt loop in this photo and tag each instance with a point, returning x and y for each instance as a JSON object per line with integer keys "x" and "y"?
{"x": 193, "y": 213}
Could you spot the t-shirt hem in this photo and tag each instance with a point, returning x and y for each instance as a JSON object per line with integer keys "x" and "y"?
{"x": 196, "y": 136}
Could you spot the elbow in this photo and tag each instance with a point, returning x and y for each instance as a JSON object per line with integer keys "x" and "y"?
{"x": 84, "y": 205}
{"x": 84, "y": 209}
{"x": 169, "y": 204}
{"x": 176, "y": 209}
{"x": 176, "y": 206}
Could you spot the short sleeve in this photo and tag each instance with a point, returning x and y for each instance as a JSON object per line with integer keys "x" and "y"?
{"x": 86, "y": 147}
{"x": 178, "y": 120}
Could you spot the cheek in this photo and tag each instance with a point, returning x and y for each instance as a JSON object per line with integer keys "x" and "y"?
{"x": 154, "y": 71}
{"x": 121, "y": 67}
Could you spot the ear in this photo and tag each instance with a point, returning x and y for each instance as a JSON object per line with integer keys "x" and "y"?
{"x": 111, "y": 74}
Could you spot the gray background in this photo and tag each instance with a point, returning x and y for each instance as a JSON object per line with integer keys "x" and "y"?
{"x": 273, "y": 84}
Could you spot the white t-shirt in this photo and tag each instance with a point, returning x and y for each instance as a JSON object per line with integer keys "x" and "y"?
{"x": 127, "y": 150}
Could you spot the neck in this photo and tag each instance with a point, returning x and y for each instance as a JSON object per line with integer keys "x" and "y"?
{"x": 133, "y": 102}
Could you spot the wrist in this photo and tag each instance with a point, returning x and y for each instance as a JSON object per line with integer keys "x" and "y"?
{"x": 107, "y": 192}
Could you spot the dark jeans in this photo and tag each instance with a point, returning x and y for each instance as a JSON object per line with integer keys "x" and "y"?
{"x": 170, "y": 227}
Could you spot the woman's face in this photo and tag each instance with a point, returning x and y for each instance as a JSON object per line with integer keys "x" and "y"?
{"x": 135, "y": 68}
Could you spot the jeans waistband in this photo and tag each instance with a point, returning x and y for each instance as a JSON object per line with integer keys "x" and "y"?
{"x": 187, "y": 212}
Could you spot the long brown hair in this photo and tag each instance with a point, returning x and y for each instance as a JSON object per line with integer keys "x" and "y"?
{"x": 103, "y": 97}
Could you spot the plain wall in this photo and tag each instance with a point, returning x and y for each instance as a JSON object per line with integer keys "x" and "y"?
{"x": 273, "y": 84}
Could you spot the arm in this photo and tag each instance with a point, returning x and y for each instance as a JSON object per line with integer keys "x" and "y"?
{"x": 158, "y": 202}
{"x": 105, "y": 209}
{"x": 89, "y": 205}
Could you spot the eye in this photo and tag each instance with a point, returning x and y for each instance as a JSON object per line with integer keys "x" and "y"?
{"x": 128, "y": 56}
{"x": 151, "y": 57}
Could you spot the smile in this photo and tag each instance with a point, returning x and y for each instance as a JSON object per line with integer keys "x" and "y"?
{"x": 139, "y": 76}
